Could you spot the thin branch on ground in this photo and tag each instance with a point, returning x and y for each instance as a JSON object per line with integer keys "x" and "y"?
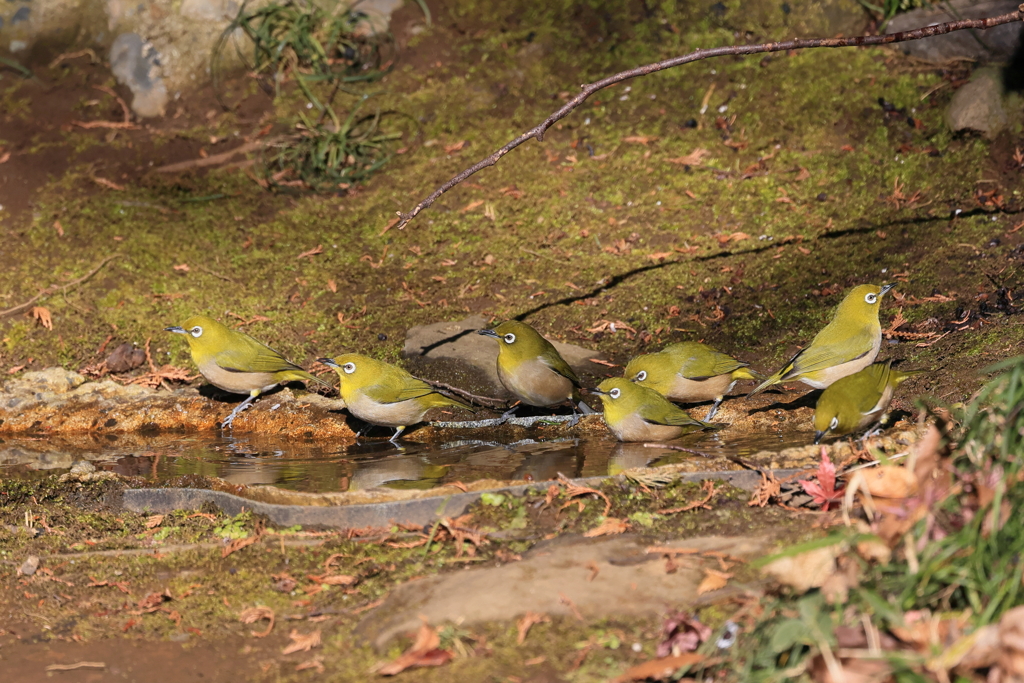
{"x": 697, "y": 55}
{"x": 485, "y": 401}
{"x": 53, "y": 289}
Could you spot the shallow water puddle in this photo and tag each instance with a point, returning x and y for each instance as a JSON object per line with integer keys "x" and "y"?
{"x": 318, "y": 466}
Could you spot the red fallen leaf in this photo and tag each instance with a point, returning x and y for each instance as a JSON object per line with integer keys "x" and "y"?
{"x": 455, "y": 147}
{"x": 823, "y": 491}
{"x": 424, "y": 652}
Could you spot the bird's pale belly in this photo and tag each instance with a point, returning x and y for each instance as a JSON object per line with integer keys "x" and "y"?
{"x": 689, "y": 390}
{"x": 237, "y": 382}
{"x": 820, "y": 379}
{"x": 536, "y": 384}
{"x": 400, "y": 414}
{"x": 635, "y": 428}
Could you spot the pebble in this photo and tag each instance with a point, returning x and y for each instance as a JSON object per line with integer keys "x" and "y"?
{"x": 29, "y": 566}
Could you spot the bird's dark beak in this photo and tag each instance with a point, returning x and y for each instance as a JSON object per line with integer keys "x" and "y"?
{"x": 886, "y": 288}
{"x": 328, "y": 362}
{"x": 176, "y": 330}
{"x": 818, "y": 436}
{"x": 598, "y": 392}
{"x": 488, "y": 333}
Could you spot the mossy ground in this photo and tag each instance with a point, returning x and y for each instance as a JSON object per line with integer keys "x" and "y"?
{"x": 84, "y": 593}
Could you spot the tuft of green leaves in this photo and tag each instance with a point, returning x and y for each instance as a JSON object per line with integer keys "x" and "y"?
{"x": 324, "y": 52}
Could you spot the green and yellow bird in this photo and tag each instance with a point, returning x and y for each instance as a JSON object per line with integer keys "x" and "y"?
{"x": 531, "y": 368}
{"x": 690, "y": 372}
{"x": 857, "y": 401}
{"x": 384, "y": 394}
{"x": 636, "y": 413}
{"x": 846, "y": 345}
{"x": 237, "y": 363}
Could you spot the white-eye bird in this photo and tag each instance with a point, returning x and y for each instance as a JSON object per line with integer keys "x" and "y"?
{"x": 857, "y": 401}
{"x": 849, "y": 343}
{"x": 636, "y": 413}
{"x": 531, "y": 368}
{"x": 237, "y": 363}
{"x": 690, "y": 372}
{"x": 385, "y": 394}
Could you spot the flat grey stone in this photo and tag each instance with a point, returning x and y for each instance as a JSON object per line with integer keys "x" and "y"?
{"x": 29, "y": 566}
{"x": 978, "y": 105}
{"x": 629, "y": 582}
{"x": 136, "y": 64}
{"x": 458, "y": 343}
{"x": 55, "y": 380}
{"x": 996, "y": 44}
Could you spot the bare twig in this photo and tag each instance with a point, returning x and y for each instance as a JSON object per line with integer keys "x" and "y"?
{"x": 52, "y": 289}
{"x": 124, "y": 107}
{"x": 213, "y": 159}
{"x": 697, "y": 55}
{"x": 485, "y": 401}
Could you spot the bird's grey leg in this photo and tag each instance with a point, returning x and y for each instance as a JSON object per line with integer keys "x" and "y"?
{"x": 585, "y": 409}
{"x": 394, "y": 439}
{"x": 226, "y": 424}
{"x": 714, "y": 409}
{"x": 508, "y": 413}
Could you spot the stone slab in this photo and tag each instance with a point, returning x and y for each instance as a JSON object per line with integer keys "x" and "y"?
{"x": 552, "y": 579}
{"x": 996, "y": 44}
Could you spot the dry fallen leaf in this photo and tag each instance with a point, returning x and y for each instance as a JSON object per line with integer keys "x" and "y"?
{"x": 455, "y": 147}
{"x": 424, "y": 652}
{"x": 692, "y": 159}
{"x": 254, "y": 614}
{"x": 43, "y": 316}
{"x": 527, "y": 621}
{"x": 182, "y": 268}
{"x": 333, "y": 286}
{"x": 640, "y": 139}
{"x": 318, "y": 249}
{"x": 153, "y": 521}
{"x": 338, "y": 580}
{"x": 659, "y": 669}
{"x": 302, "y": 642}
{"x": 472, "y": 205}
{"x": 660, "y": 255}
{"x": 713, "y": 580}
{"x": 609, "y": 526}
{"x": 238, "y": 544}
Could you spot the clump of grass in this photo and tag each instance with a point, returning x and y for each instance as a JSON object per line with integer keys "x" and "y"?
{"x": 324, "y": 52}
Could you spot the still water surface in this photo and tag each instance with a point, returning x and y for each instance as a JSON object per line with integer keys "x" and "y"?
{"x": 311, "y": 466}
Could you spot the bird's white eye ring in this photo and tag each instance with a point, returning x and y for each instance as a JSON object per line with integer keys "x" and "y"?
{"x": 615, "y": 393}
{"x": 509, "y": 338}
{"x": 349, "y": 368}
{"x": 641, "y": 376}
{"x": 871, "y": 298}
{"x": 834, "y": 423}
{"x": 196, "y": 332}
